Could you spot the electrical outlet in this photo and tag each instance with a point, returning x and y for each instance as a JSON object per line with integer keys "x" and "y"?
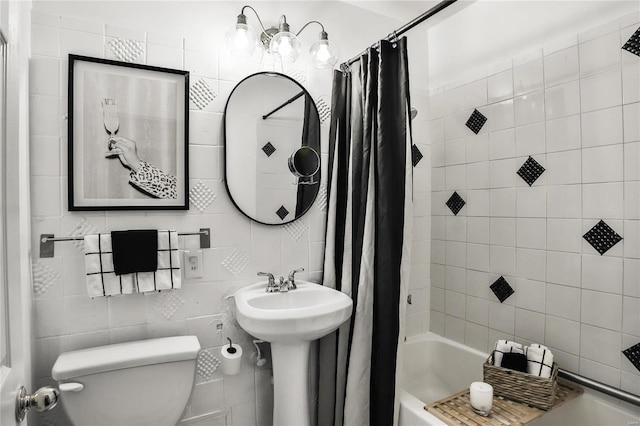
{"x": 192, "y": 264}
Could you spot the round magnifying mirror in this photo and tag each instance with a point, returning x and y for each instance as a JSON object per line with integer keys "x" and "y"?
{"x": 304, "y": 162}
{"x": 272, "y": 141}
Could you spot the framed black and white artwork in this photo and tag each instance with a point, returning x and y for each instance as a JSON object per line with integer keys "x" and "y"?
{"x": 128, "y": 136}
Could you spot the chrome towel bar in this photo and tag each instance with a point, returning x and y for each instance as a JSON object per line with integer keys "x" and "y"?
{"x": 600, "y": 387}
{"x": 47, "y": 240}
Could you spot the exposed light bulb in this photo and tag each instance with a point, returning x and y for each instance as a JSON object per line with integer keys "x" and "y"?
{"x": 323, "y": 53}
{"x": 285, "y": 46}
{"x": 241, "y": 39}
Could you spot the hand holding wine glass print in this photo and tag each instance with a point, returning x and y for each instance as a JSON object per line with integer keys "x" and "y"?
{"x": 128, "y": 132}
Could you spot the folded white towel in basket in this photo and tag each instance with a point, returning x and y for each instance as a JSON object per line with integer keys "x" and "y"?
{"x": 505, "y": 346}
{"x": 102, "y": 280}
{"x": 539, "y": 360}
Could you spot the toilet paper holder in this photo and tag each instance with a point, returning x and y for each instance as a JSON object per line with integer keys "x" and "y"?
{"x": 231, "y": 358}
{"x": 231, "y": 349}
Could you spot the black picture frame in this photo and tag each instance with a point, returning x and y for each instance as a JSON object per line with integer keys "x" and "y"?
{"x": 128, "y": 136}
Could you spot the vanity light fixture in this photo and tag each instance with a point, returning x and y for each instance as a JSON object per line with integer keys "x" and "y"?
{"x": 242, "y": 40}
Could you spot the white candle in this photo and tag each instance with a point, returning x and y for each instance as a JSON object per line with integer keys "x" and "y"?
{"x": 481, "y": 395}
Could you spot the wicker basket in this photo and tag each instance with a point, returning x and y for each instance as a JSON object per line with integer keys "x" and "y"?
{"x": 532, "y": 390}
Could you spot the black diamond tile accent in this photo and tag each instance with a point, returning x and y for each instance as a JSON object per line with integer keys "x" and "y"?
{"x": 633, "y": 354}
{"x": 633, "y": 44}
{"x": 269, "y": 149}
{"x": 501, "y": 289}
{"x": 282, "y": 212}
{"x": 455, "y": 203}
{"x": 530, "y": 171}
{"x": 476, "y": 121}
{"x": 602, "y": 237}
{"x": 416, "y": 155}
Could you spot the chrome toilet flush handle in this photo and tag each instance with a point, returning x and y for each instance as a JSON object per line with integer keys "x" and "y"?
{"x": 71, "y": 387}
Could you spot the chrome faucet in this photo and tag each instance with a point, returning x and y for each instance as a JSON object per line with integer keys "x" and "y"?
{"x": 271, "y": 286}
{"x": 284, "y": 286}
{"x": 291, "y": 281}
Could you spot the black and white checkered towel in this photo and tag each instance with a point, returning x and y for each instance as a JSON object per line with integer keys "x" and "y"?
{"x": 539, "y": 360}
{"x": 102, "y": 280}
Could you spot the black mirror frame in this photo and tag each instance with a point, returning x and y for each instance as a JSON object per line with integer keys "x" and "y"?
{"x": 224, "y": 129}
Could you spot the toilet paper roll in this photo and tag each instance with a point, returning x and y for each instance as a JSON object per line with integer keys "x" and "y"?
{"x": 231, "y": 360}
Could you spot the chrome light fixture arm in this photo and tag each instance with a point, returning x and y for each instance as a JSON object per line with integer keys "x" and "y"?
{"x": 309, "y": 23}
{"x": 245, "y": 17}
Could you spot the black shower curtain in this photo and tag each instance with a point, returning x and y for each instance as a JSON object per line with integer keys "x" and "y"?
{"x": 368, "y": 236}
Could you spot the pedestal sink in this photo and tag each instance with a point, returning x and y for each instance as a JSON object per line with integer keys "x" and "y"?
{"x": 290, "y": 322}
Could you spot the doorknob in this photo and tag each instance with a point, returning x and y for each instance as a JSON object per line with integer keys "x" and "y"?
{"x": 44, "y": 399}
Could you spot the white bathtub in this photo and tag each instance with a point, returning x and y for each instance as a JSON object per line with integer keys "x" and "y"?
{"x": 435, "y": 367}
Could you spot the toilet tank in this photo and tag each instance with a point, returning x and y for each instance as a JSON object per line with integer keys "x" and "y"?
{"x": 146, "y": 382}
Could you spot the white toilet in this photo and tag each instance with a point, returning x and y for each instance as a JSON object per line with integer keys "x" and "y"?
{"x": 147, "y": 382}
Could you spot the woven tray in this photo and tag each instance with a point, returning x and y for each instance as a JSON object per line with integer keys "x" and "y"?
{"x": 536, "y": 391}
{"x": 456, "y": 409}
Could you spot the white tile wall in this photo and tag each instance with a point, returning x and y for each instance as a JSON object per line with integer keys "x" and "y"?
{"x": 631, "y": 130}
{"x": 531, "y": 202}
{"x": 530, "y": 295}
{"x": 600, "y": 54}
{"x": 477, "y": 148}
{"x": 603, "y": 164}
{"x": 502, "y": 144}
{"x": 502, "y": 115}
{"x": 528, "y": 77}
{"x": 564, "y": 167}
{"x": 477, "y": 175}
{"x": 602, "y": 127}
{"x": 631, "y": 83}
{"x": 602, "y": 273}
{"x": 601, "y": 91}
{"x": 603, "y": 200}
{"x": 530, "y": 139}
{"x": 575, "y": 109}
{"x": 500, "y": 86}
{"x": 563, "y": 134}
{"x": 562, "y": 101}
{"x": 563, "y": 301}
{"x": 475, "y": 94}
{"x": 529, "y": 108}
{"x": 66, "y": 319}
{"x": 561, "y": 67}
{"x": 503, "y": 232}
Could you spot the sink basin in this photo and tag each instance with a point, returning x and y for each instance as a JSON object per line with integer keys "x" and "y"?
{"x": 305, "y": 314}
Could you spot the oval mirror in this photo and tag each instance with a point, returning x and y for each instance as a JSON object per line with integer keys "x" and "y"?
{"x": 272, "y": 148}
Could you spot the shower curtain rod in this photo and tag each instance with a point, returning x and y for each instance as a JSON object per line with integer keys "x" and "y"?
{"x": 406, "y": 27}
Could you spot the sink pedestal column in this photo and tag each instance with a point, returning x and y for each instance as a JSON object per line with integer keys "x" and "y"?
{"x": 291, "y": 383}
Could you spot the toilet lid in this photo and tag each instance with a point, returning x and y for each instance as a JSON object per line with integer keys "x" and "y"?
{"x": 124, "y": 355}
